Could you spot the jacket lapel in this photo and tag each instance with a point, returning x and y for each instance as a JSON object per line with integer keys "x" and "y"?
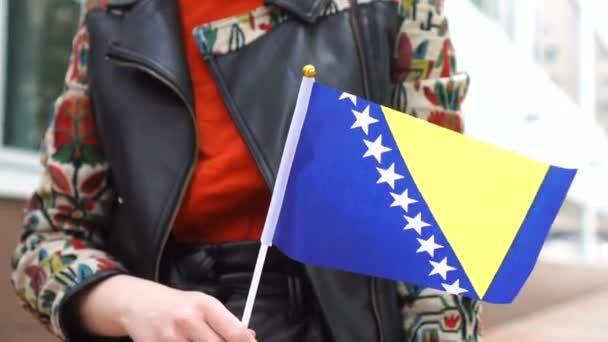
{"x": 150, "y": 34}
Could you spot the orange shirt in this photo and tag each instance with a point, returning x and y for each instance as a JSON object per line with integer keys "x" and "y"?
{"x": 227, "y": 198}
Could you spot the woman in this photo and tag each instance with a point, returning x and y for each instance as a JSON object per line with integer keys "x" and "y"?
{"x": 162, "y": 151}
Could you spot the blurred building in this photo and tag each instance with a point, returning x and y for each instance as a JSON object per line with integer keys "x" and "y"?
{"x": 602, "y": 84}
{"x": 556, "y": 50}
{"x": 556, "y": 42}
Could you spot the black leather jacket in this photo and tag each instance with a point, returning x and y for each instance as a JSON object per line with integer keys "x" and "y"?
{"x": 142, "y": 103}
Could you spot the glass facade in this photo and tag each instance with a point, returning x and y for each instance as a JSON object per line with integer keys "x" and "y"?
{"x": 38, "y": 47}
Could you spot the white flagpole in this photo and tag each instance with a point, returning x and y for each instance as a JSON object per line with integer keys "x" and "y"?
{"x": 293, "y": 136}
{"x": 255, "y": 282}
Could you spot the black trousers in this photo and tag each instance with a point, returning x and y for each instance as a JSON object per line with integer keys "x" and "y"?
{"x": 285, "y": 310}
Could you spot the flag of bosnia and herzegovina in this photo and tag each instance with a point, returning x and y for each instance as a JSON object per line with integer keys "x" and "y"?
{"x": 366, "y": 189}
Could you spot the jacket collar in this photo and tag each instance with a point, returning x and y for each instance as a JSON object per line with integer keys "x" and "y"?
{"x": 150, "y": 34}
{"x": 307, "y": 10}
{"x": 120, "y": 3}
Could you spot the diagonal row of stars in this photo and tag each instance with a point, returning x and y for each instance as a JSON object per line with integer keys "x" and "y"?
{"x": 375, "y": 149}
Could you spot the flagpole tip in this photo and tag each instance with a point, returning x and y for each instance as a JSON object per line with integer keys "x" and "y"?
{"x": 309, "y": 71}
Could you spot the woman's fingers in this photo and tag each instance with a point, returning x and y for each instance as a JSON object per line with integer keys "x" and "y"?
{"x": 224, "y": 323}
{"x": 199, "y": 331}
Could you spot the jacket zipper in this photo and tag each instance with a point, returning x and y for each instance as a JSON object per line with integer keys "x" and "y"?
{"x": 180, "y": 94}
{"x": 366, "y": 89}
{"x": 354, "y": 23}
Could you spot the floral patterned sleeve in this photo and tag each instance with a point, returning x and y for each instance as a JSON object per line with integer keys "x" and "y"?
{"x": 424, "y": 67}
{"x": 58, "y": 253}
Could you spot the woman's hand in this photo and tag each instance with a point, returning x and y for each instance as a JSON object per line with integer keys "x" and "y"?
{"x": 151, "y": 312}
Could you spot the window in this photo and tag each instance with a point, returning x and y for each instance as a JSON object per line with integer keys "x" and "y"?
{"x": 556, "y": 78}
{"x": 550, "y": 54}
{"x": 602, "y": 108}
{"x": 603, "y": 82}
{"x": 36, "y": 37}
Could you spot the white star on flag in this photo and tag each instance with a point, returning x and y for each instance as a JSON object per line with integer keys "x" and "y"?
{"x": 375, "y": 149}
{"x": 442, "y": 268}
{"x": 415, "y": 223}
{"x": 388, "y": 176}
{"x": 428, "y": 246}
{"x": 403, "y": 201}
{"x": 363, "y": 120}
{"x": 454, "y": 288}
{"x": 351, "y": 97}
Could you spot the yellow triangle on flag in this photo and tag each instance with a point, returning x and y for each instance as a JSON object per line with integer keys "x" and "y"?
{"x": 479, "y": 194}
